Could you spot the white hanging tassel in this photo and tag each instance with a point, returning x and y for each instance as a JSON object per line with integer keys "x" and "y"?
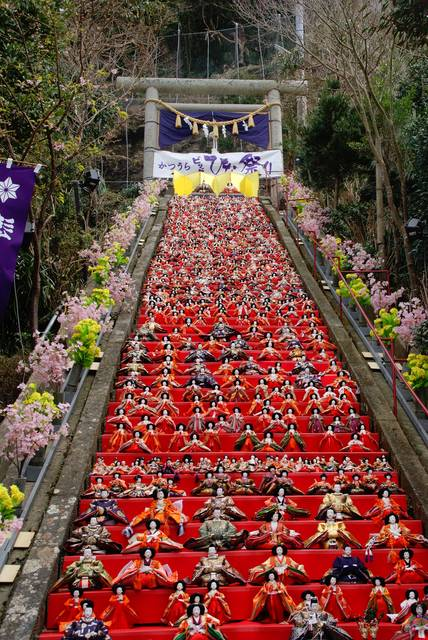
{"x": 187, "y": 121}
{"x": 205, "y": 130}
{"x": 245, "y": 125}
{"x": 224, "y": 131}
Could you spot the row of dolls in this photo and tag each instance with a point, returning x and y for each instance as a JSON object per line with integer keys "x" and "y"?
{"x": 189, "y": 465}
{"x": 144, "y": 439}
{"x": 272, "y": 603}
{"x": 242, "y": 484}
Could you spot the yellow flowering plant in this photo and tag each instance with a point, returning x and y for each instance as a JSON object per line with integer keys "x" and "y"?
{"x": 10, "y": 500}
{"x": 386, "y": 322}
{"x": 101, "y": 271}
{"x": 358, "y": 288}
{"x": 83, "y": 343}
{"x": 42, "y": 402}
{"x": 100, "y": 297}
{"x": 417, "y": 375}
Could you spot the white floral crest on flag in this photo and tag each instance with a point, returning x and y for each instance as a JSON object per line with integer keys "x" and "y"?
{"x": 7, "y": 226}
{"x": 8, "y": 190}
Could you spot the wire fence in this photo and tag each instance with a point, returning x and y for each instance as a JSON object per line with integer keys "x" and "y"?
{"x": 229, "y": 52}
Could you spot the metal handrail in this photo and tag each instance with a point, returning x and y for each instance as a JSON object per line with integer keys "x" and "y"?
{"x": 395, "y": 374}
{"x": 8, "y": 544}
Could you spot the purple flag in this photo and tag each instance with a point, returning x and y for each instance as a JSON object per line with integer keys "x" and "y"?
{"x": 16, "y": 191}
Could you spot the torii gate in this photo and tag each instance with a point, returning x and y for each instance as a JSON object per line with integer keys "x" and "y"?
{"x": 271, "y": 89}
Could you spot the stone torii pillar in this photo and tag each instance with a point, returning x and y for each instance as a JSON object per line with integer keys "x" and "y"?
{"x": 275, "y": 124}
{"x": 151, "y": 131}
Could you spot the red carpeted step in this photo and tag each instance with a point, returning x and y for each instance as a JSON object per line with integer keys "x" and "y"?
{"x": 236, "y": 631}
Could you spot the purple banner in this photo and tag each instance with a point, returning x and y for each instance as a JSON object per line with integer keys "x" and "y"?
{"x": 169, "y": 135}
{"x": 16, "y": 191}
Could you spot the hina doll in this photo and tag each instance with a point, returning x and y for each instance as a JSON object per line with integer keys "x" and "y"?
{"x": 277, "y": 424}
{"x": 165, "y": 424}
{"x": 198, "y": 625}
{"x": 207, "y": 487}
{"x": 196, "y": 424}
{"x": 383, "y": 506}
{"x": 215, "y": 567}
{"x": 311, "y": 622}
{"x": 331, "y": 534}
{"x": 153, "y": 537}
{"x": 348, "y": 569}
{"x": 273, "y": 602}
{"x": 135, "y": 443}
{"x": 284, "y": 506}
{"x": 235, "y": 421}
{"x": 87, "y": 573}
{"x": 389, "y": 484}
{"x": 268, "y": 443}
{"x": 92, "y": 535}
{"x": 216, "y": 604}
{"x": 282, "y": 481}
{"x": 353, "y": 421}
{"x": 412, "y": 597}
{"x": 161, "y": 509}
{"x": 229, "y": 511}
{"x": 273, "y": 532}
{"x": 145, "y": 572}
{"x": 416, "y": 626}
{"x": 195, "y": 445}
{"x": 293, "y": 441}
{"x": 244, "y": 486}
{"x": 72, "y": 609}
{"x": 119, "y": 614}
{"x": 87, "y": 626}
{"x": 118, "y": 438}
{"x": 355, "y": 444}
{"x": 356, "y": 487}
{"x": 333, "y": 601}
{"x": 288, "y": 570}
{"x": 210, "y": 438}
{"x": 136, "y": 489}
{"x": 380, "y": 601}
{"x": 407, "y": 570}
{"x": 316, "y": 422}
{"x": 177, "y": 605}
{"x": 394, "y": 535}
{"x": 329, "y": 441}
{"x": 179, "y": 439}
{"x": 116, "y": 485}
{"x": 320, "y": 487}
{"x": 340, "y": 502}
{"x": 219, "y": 532}
{"x": 248, "y": 440}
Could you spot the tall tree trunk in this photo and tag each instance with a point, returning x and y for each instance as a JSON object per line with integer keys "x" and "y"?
{"x": 336, "y": 192}
{"x": 399, "y": 224}
{"x": 380, "y": 213}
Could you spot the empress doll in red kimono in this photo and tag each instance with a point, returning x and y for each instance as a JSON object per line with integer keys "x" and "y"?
{"x": 380, "y": 601}
{"x": 216, "y": 603}
{"x": 177, "y": 605}
{"x": 407, "y": 570}
{"x": 333, "y": 600}
{"x": 272, "y": 603}
{"x": 72, "y": 609}
{"x": 119, "y": 614}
